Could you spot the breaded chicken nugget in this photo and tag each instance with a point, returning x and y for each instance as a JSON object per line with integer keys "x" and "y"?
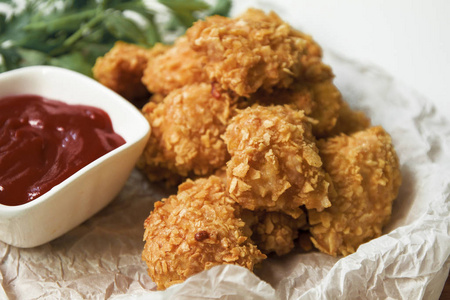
{"x": 251, "y": 51}
{"x": 121, "y": 69}
{"x": 365, "y": 172}
{"x": 177, "y": 67}
{"x": 194, "y": 231}
{"x": 275, "y": 165}
{"x": 273, "y": 231}
{"x": 186, "y": 133}
{"x": 313, "y": 69}
{"x": 255, "y": 15}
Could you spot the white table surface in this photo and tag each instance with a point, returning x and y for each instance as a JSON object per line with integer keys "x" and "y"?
{"x": 410, "y": 39}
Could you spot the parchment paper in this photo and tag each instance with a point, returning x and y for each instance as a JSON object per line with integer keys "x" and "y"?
{"x": 101, "y": 259}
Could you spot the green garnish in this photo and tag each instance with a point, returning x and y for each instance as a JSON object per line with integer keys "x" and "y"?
{"x": 73, "y": 33}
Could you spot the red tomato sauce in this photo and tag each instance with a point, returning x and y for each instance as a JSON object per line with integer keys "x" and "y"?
{"x": 43, "y": 142}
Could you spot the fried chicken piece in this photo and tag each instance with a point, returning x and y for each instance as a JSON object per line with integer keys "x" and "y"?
{"x": 255, "y": 15}
{"x": 273, "y": 231}
{"x": 194, "y": 231}
{"x": 254, "y": 51}
{"x": 365, "y": 172}
{"x": 321, "y": 100}
{"x": 121, "y": 69}
{"x": 328, "y": 101}
{"x": 177, "y": 67}
{"x": 186, "y": 133}
{"x": 275, "y": 165}
{"x": 313, "y": 69}
{"x": 349, "y": 121}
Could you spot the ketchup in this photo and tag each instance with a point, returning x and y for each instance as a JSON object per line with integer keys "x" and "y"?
{"x": 43, "y": 142}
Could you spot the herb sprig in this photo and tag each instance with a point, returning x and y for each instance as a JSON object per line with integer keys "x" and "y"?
{"x": 73, "y": 33}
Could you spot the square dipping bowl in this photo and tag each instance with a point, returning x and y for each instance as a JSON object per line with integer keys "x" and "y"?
{"x": 86, "y": 192}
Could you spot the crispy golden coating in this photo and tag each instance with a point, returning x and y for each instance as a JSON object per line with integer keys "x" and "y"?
{"x": 320, "y": 100}
{"x": 186, "y": 133}
{"x": 312, "y": 49}
{"x": 275, "y": 165}
{"x": 255, "y": 15}
{"x": 314, "y": 70}
{"x": 328, "y": 101}
{"x": 312, "y": 67}
{"x": 156, "y": 98}
{"x": 177, "y": 67}
{"x": 121, "y": 69}
{"x": 364, "y": 169}
{"x": 254, "y": 50}
{"x": 273, "y": 231}
{"x": 349, "y": 121}
{"x": 194, "y": 231}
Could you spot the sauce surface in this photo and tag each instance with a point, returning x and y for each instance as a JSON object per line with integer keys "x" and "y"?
{"x": 43, "y": 142}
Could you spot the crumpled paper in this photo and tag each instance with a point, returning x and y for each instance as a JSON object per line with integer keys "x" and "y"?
{"x": 101, "y": 258}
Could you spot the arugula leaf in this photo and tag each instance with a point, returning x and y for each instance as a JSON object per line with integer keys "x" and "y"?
{"x": 183, "y": 5}
{"x": 10, "y": 59}
{"x": 73, "y": 33}
{"x": 184, "y": 11}
{"x": 74, "y": 61}
{"x": 125, "y": 29}
{"x": 32, "y": 57}
{"x": 222, "y": 8}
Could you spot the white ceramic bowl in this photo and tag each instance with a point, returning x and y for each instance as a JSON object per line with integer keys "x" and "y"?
{"x": 90, "y": 189}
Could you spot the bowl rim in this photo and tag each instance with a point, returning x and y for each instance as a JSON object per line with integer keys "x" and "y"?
{"x": 116, "y": 98}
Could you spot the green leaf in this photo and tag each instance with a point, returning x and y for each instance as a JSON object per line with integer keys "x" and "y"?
{"x": 64, "y": 22}
{"x": 9, "y": 2}
{"x": 151, "y": 34}
{"x": 185, "y": 18}
{"x": 150, "y": 29}
{"x": 73, "y": 61}
{"x": 82, "y": 32}
{"x": 185, "y": 6}
{"x": 221, "y": 8}
{"x": 10, "y": 59}
{"x": 91, "y": 51}
{"x": 2, "y": 23}
{"x": 13, "y": 32}
{"x": 82, "y": 4}
{"x": 32, "y": 57}
{"x": 124, "y": 29}
{"x": 74, "y": 33}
